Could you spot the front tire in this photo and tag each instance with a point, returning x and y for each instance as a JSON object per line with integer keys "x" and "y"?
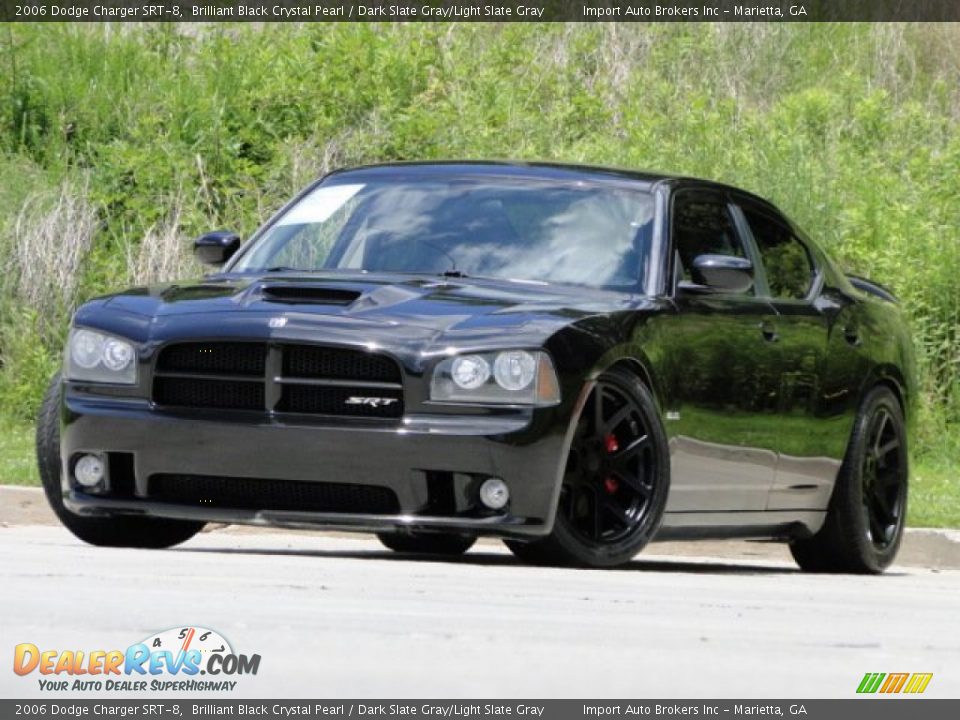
{"x": 135, "y": 532}
{"x": 616, "y": 481}
{"x": 427, "y": 543}
{"x": 865, "y": 518}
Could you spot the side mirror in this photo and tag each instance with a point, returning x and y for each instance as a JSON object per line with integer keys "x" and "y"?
{"x": 216, "y": 247}
{"x": 721, "y": 273}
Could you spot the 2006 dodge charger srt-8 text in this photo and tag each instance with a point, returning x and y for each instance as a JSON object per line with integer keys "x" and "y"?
{"x": 573, "y": 359}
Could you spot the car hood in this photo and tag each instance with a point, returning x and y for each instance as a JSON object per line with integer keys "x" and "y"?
{"x": 428, "y": 307}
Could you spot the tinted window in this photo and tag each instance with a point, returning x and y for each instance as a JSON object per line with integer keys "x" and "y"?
{"x": 702, "y": 225}
{"x": 577, "y": 233}
{"x": 790, "y": 272}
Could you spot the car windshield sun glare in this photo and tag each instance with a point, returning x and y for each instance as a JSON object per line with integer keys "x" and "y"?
{"x": 592, "y": 234}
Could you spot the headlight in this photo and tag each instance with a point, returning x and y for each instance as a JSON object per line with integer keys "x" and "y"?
{"x": 469, "y": 372}
{"x": 514, "y": 370}
{"x": 518, "y": 377}
{"x": 93, "y": 356}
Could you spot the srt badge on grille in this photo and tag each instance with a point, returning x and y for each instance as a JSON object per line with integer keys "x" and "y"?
{"x": 277, "y": 322}
{"x": 371, "y": 401}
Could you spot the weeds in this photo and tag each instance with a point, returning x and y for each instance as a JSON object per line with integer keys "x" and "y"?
{"x": 163, "y": 254}
{"x": 140, "y": 137}
{"x": 51, "y": 238}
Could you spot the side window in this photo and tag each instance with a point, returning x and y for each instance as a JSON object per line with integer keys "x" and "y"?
{"x": 702, "y": 225}
{"x": 790, "y": 271}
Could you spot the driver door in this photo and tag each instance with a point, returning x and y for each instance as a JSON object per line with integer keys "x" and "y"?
{"x": 723, "y": 369}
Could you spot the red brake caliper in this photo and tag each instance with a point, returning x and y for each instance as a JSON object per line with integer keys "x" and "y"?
{"x": 611, "y": 485}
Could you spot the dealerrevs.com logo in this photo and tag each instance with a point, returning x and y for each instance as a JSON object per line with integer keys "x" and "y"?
{"x": 172, "y": 660}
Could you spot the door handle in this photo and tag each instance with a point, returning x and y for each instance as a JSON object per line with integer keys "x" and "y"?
{"x": 851, "y": 335}
{"x": 769, "y": 331}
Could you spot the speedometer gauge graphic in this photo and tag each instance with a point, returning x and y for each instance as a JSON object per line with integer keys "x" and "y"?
{"x": 182, "y": 639}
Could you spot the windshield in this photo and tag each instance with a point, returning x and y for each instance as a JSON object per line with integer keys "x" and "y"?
{"x": 577, "y": 233}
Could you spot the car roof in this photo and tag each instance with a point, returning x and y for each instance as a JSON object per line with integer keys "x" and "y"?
{"x": 542, "y": 170}
{"x": 513, "y": 168}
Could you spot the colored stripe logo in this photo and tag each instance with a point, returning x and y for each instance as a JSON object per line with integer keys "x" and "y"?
{"x": 889, "y": 683}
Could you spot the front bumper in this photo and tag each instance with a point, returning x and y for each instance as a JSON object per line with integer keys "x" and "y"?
{"x": 432, "y": 463}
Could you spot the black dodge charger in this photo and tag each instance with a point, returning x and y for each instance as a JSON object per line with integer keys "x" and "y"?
{"x": 577, "y": 360}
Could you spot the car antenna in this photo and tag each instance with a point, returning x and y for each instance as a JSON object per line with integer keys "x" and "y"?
{"x": 452, "y": 271}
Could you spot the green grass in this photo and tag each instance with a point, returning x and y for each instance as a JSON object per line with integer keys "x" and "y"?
{"x": 852, "y": 128}
{"x": 934, "y": 495}
{"x": 18, "y": 464}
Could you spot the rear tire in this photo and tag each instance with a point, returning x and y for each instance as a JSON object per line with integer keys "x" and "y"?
{"x": 136, "y": 532}
{"x": 865, "y": 518}
{"x": 616, "y": 481}
{"x": 427, "y": 543}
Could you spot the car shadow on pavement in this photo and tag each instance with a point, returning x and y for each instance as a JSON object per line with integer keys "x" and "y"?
{"x": 680, "y": 565}
{"x": 708, "y": 567}
{"x": 474, "y": 558}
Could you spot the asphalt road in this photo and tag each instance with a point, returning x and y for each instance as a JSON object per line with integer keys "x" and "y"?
{"x": 333, "y": 616}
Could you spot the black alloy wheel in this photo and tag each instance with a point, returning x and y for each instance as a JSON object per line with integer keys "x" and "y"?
{"x": 884, "y": 480}
{"x": 608, "y": 485}
{"x": 616, "y": 480}
{"x": 864, "y": 523}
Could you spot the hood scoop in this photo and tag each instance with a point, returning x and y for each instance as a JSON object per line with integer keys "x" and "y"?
{"x": 293, "y": 294}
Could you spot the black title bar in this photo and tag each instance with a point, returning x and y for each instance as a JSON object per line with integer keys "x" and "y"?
{"x": 206, "y": 708}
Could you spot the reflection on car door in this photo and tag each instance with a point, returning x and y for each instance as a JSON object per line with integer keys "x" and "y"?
{"x": 788, "y": 273}
{"x": 721, "y": 372}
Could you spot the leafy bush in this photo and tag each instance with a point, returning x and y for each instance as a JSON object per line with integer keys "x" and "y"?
{"x": 28, "y": 365}
{"x": 173, "y": 130}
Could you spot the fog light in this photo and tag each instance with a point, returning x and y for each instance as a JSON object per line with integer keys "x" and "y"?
{"x": 89, "y": 471}
{"x": 494, "y": 493}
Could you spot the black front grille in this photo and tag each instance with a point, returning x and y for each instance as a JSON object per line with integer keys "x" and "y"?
{"x": 260, "y": 494}
{"x": 305, "y": 361}
{"x": 215, "y": 358}
{"x": 208, "y": 393}
{"x": 302, "y": 379}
